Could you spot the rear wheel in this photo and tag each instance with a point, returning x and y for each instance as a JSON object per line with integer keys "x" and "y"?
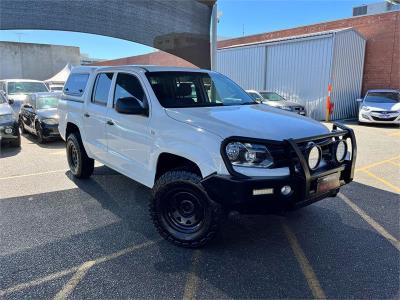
{"x": 181, "y": 210}
{"x": 80, "y": 165}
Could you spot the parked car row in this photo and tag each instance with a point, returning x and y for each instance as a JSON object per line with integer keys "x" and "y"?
{"x": 380, "y": 107}
{"x": 39, "y": 116}
{"x": 27, "y": 106}
{"x": 377, "y": 107}
{"x": 275, "y": 100}
{"x": 9, "y": 133}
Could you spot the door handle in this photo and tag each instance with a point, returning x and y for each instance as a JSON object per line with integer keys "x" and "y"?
{"x": 109, "y": 122}
{"x": 86, "y": 115}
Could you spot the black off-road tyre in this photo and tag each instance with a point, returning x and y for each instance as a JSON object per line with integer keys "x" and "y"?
{"x": 181, "y": 210}
{"x": 80, "y": 164}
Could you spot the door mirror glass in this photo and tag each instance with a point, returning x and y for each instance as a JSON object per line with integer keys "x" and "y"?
{"x": 10, "y": 101}
{"x": 130, "y": 106}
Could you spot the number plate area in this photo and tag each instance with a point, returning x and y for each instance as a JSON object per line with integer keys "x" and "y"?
{"x": 327, "y": 183}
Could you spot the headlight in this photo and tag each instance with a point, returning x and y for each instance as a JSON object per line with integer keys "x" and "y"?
{"x": 248, "y": 155}
{"x": 341, "y": 151}
{"x": 50, "y": 121}
{"x": 285, "y": 108}
{"x": 6, "y": 118}
{"x": 365, "y": 108}
{"x": 314, "y": 156}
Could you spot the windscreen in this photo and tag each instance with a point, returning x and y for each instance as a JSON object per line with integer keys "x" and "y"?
{"x": 195, "y": 89}
{"x": 383, "y": 97}
{"x": 46, "y": 102}
{"x": 272, "y": 96}
{"x": 26, "y": 87}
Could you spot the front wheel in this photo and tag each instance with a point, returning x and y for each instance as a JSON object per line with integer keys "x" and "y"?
{"x": 39, "y": 133}
{"x": 80, "y": 165}
{"x": 22, "y": 129}
{"x": 181, "y": 210}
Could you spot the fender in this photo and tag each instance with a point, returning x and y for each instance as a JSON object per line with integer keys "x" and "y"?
{"x": 202, "y": 149}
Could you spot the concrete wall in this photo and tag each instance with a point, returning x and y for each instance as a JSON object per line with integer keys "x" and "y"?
{"x": 35, "y": 61}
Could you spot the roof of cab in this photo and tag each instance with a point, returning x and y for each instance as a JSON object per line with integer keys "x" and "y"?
{"x": 146, "y": 68}
{"x": 21, "y": 80}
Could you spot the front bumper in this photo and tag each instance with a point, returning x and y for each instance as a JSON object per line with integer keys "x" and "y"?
{"x": 239, "y": 192}
{"x": 9, "y": 131}
{"x": 50, "y": 131}
{"x": 378, "y": 118}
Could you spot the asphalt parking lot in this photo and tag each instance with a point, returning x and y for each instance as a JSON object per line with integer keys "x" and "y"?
{"x": 62, "y": 238}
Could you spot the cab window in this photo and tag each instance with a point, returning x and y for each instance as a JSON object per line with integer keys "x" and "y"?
{"x": 76, "y": 84}
{"x": 102, "y": 88}
{"x": 128, "y": 85}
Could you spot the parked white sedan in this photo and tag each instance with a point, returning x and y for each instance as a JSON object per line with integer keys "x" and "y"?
{"x": 380, "y": 106}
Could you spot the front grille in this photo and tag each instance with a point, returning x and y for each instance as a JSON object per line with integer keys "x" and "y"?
{"x": 283, "y": 158}
{"x": 386, "y": 111}
{"x": 298, "y": 108}
{"x": 384, "y": 119}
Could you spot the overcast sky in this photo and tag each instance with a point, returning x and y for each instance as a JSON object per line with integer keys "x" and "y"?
{"x": 237, "y": 16}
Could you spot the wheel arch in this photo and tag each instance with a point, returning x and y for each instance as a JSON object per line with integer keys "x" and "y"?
{"x": 71, "y": 128}
{"x": 168, "y": 161}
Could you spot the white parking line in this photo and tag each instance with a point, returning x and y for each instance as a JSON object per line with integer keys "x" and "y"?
{"x": 379, "y": 228}
{"x": 74, "y": 281}
{"x": 32, "y": 174}
{"x": 56, "y": 275}
{"x": 305, "y": 265}
{"x": 192, "y": 280}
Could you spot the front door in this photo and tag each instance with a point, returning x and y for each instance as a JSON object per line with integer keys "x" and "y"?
{"x": 128, "y": 136}
{"x": 95, "y": 116}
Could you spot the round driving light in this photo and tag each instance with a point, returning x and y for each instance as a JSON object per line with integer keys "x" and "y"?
{"x": 233, "y": 151}
{"x": 314, "y": 157}
{"x": 341, "y": 151}
{"x": 286, "y": 190}
{"x": 8, "y": 130}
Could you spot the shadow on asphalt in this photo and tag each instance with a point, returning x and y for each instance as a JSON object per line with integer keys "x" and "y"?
{"x": 53, "y": 143}
{"x": 369, "y": 125}
{"x": 7, "y": 150}
{"x": 250, "y": 258}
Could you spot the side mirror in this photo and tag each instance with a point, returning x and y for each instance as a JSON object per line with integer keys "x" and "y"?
{"x": 10, "y": 101}
{"x": 130, "y": 106}
{"x": 359, "y": 100}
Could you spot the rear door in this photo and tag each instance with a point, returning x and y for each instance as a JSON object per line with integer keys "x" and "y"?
{"x": 95, "y": 115}
{"x": 128, "y": 136}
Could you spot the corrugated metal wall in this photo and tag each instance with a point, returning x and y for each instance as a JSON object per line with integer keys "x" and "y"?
{"x": 300, "y": 72}
{"x": 301, "y": 69}
{"x": 347, "y": 73}
{"x": 244, "y": 65}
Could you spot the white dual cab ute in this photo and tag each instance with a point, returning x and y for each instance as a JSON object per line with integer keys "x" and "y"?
{"x": 202, "y": 144}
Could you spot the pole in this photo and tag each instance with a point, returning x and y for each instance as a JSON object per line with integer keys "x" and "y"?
{"x": 213, "y": 45}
